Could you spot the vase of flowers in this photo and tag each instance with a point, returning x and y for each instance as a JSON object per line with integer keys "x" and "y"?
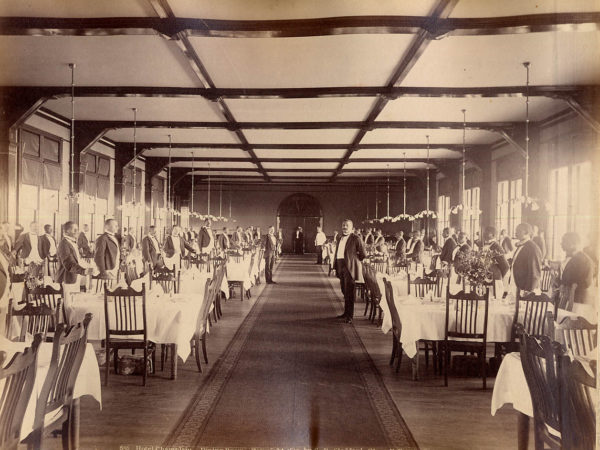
{"x": 476, "y": 268}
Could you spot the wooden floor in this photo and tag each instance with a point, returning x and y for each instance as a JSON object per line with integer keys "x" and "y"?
{"x": 457, "y": 417}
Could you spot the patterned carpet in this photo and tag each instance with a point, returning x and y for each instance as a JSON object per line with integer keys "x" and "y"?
{"x": 293, "y": 376}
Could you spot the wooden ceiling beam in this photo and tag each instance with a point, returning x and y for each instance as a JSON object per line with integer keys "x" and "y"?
{"x": 213, "y": 94}
{"x": 197, "y": 27}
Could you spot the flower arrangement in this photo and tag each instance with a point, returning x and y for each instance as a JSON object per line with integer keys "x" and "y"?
{"x": 34, "y": 275}
{"x": 476, "y": 267}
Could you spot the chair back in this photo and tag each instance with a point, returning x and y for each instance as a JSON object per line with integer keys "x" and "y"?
{"x": 420, "y": 287}
{"x": 549, "y": 274}
{"x": 531, "y": 313}
{"x": 577, "y": 335}
{"x": 33, "y": 319}
{"x": 380, "y": 266}
{"x": 125, "y": 312}
{"x": 437, "y": 276}
{"x": 52, "y": 264}
{"x": 469, "y": 315}
{"x": 578, "y": 405}
{"x": 167, "y": 278}
{"x": 397, "y": 267}
{"x": 17, "y": 379}
{"x": 565, "y": 297}
{"x": 97, "y": 283}
{"x": 541, "y": 358}
{"x": 48, "y": 296}
{"x": 68, "y": 349}
{"x": 370, "y": 276}
{"x": 131, "y": 273}
{"x": 389, "y": 297}
{"x": 208, "y": 299}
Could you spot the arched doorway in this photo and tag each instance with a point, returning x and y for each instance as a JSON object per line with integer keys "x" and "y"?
{"x": 299, "y": 210}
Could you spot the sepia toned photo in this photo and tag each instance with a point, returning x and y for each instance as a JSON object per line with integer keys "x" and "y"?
{"x": 299, "y": 224}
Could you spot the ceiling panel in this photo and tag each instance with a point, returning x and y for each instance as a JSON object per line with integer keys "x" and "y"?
{"x": 301, "y": 110}
{"x": 478, "y": 8}
{"x": 298, "y": 174}
{"x": 344, "y": 60}
{"x": 296, "y": 9}
{"x": 298, "y": 153}
{"x": 556, "y": 58}
{"x": 373, "y": 175}
{"x": 341, "y": 136}
{"x": 302, "y": 165}
{"x": 161, "y": 108}
{"x": 101, "y": 61}
{"x": 411, "y": 136}
{"x": 163, "y": 152}
{"x": 215, "y": 165}
{"x": 400, "y": 153}
{"x": 206, "y": 135}
{"x": 478, "y": 109}
{"x": 75, "y": 8}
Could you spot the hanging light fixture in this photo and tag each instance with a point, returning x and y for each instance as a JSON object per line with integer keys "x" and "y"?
{"x": 208, "y": 202}
{"x": 461, "y": 205}
{"x": 404, "y": 216}
{"x": 387, "y": 216}
{"x": 134, "y": 152}
{"x": 192, "y": 214}
{"x": 427, "y": 212}
{"x": 72, "y": 196}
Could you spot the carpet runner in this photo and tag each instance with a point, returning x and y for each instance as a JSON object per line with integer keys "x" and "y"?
{"x": 293, "y": 376}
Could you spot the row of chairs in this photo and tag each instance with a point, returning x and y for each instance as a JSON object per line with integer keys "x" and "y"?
{"x": 55, "y": 403}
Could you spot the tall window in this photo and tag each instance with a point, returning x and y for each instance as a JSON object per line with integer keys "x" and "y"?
{"x": 41, "y": 178}
{"x": 96, "y": 185}
{"x": 508, "y": 205}
{"x": 571, "y": 204}
{"x": 443, "y": 213}
{"x": 471, "y": 214}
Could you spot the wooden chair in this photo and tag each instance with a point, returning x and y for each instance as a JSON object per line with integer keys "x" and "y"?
{"x": 199, "y": 339}
{"x": 578, "y": 405}
{"x": 549, "y": 274}
{"x": 421, "y": 287}
{"x": 396, "y": 325}
{"x": 17, "y": 379}
{"x": 564, "y": 297}
{"x": 467, "y": 331}
{"x": 127, "y": 321}
{"x": 577, "y": 335}
{"x": 531, "y": 313}
{"x": 381, "y": 266}
{"x": 219, "y": 273}
{"x": 56, "y": 397}
{"x": 167, "y": 278}
{"x": 540, "y": 358}
{"x": 33, "y": 320}
{"x": 398, "y": 267}
{"x": 51, "y": 297}
{"x": 51, "y": 265}
{"x": 373, "y": 293}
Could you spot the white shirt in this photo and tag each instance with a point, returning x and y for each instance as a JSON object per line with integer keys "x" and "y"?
{"x": 34, "y": 255}
{"x": 297, "y": 234}
{"x": 342, "y": 247}
{"x": 52, "y": 251}
{"x": 73, "y": 243}
{"x": 320, "y": 238}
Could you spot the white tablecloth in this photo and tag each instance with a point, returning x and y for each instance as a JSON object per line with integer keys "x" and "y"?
{"x": 511, "y": 386}
{"x": 87, "y": 383}
{"x": 170, "y": 319}
{"x": 239, "y": 271}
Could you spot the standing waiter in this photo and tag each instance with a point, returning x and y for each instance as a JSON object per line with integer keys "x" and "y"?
{"x": 270, "y": 249}
{"x": 349, "y": 253}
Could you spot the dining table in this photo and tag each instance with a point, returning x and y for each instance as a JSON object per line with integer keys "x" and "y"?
{"x": 171, "y": 318}
{"x": 425, "y": 318}
{"x": 86, "y": 384}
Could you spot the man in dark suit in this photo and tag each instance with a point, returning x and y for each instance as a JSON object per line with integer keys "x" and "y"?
{"x": 400, "y": 247}
{"x": 349, "y": 253}
{"x": 47, "y": 243}
{"x": 83, "y": 243}
{"x": 369, "y": 238}
{"x": 500, "y": 267}
{"x": 151, "y": 252}
{"x": 223, "y": 239}
{"x": 449, "y": 245}
{"x": 206, "y": 238}
{"x": 527, "y": 261}
{"x": 127, "y": 241}
{"x": 70, "y": 264}
{"x": 108, "y": 254}
{"x": 417, "y": 248}
{"x": 175, "y": 244}
{"x": 270, "y": 249}
{"x": 298, "y": 241}
{"x": 27, "y": 245}
{"x": 579, "y": 268}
